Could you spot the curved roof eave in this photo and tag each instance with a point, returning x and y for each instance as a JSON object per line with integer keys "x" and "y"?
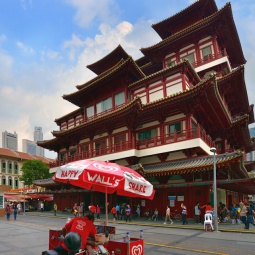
{"x": 225, "y": 12}
{"x": 191, "y": 165}
{"x": 197, "y": 5}
{"x": 120, "y": 67}
{"x": 117, "y": 53}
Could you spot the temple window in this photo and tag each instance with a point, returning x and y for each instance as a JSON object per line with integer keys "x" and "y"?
{"x": 219, "y": 145}
{"x": 62, "y": 156}
{"x": 119, "y": 98}
{"x": 175, "y": 127}
{"x": 16, "y": 168}
{"x": 72, "y": 152}
{"x": 104, "y": 105}
{"x": 90, "y": 111}
{"x": 206, "y": 52}
{"x": 100, "y": 146}
{"x": 119, "y": 141}
{"x": 85, "y": 147}
{"x": 147, "y": 134}
{"x": 189, "y": 57}
{"x": 3, "y": 166}
{"x": 170, "y": 63}
{"x": 9, "y": 167}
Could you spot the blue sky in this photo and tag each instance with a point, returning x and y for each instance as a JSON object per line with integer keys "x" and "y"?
{"x": 45, "y": 46}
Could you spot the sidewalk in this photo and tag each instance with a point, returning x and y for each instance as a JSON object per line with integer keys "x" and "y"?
{"x": 223, "y": 227}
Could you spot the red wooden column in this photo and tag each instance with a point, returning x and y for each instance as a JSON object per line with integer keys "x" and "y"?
{"x": 188, "y": 126}
{"x": 215, "y": 46}
{"x": 197, "y": 52}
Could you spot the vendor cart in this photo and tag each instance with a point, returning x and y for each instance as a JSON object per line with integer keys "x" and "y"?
{"x": 102, "y": 245}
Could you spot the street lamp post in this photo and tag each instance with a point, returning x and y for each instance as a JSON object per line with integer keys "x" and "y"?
{"x": 215, "y": 209}
{"x": 24, "y": 209}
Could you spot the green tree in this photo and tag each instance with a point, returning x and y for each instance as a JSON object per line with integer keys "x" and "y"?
{"x": 34, "y": 170}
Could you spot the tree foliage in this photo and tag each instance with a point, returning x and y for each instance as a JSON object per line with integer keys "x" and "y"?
{"x": 34, "y": 170}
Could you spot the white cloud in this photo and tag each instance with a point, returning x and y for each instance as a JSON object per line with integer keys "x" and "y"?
{"x": 24, "y": 48}
{"x": 90, "y": 10}
{"x": 50, "y": 55}
{"x": 25, "y": 4}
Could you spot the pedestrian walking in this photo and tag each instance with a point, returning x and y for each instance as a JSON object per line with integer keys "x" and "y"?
{"x": 55, "y": 208}
{"x": 15, "y": 210}
{"x": 8, "y": 211}
{"x": 75, "y": 210}
{"x": 42, "y": 206}
{"x": 92, "y": 209}
{"x": 138, "y": 210}
{"x": 243, "y": 212}
{"x": 232, "y": 211}
{"x": 238, "y": 210}
{"x": 118, "y": 211}
{"x": 184, "y": 214}
{"x": 114, "y": 213}
{"x": 250, "y": 213}
{"x": 168, "y": 217}
{"x": 128, "y": 213}
{"x": 197, "y": 213}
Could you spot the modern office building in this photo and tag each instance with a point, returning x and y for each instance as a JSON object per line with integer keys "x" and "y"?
{"x": 9, "y": 140}
{"x": 38, "y": 136}
{"x": 162, "y": 113}
{"x": 29, "y": 147}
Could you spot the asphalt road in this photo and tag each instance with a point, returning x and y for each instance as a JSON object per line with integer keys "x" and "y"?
{"x": 29, "y": 235}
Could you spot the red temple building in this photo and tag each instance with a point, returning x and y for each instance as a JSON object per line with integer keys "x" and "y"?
{"x": 162, "y": 113}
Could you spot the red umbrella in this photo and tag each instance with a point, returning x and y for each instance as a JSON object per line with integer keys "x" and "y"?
{"x": 105, "y": 177}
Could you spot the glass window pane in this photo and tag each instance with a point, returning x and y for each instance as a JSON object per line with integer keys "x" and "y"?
{"x": 100, "y": 107}
{"x": 90, "y": 111}
{"x": 108, "y": 104}
{"x": 175, "y": 127}
{"x": 206, "y": 51}
{"x": 119, "y": 98}
{"x": 170, "y": 63}
{"x": 190, "y": 57}
{"x": 148, "y": 134}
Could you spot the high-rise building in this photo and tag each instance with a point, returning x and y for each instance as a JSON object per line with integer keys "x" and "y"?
{"x": 29, "y": 146}
{"x": 9, "y": 140}
{"x": 38, "y": 136}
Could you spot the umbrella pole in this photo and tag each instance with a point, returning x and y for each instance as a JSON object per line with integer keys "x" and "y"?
{"x": 106, "y": 207}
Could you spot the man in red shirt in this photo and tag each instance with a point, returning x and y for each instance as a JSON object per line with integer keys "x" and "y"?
{"x": 83, "y": 226}
{"x": 92, "y": 210}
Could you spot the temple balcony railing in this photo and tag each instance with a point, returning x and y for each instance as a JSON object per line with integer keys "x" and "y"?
{"x": 134, "y": 144}
{"x": 210, "y": 58}
{"x": 102, "y": 113}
